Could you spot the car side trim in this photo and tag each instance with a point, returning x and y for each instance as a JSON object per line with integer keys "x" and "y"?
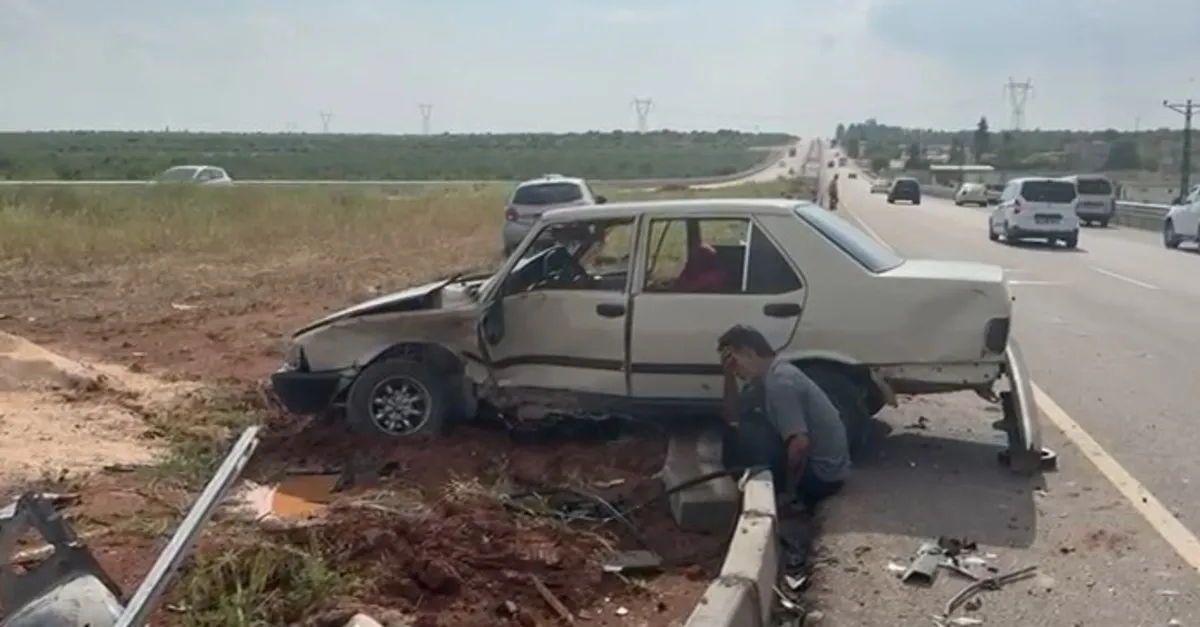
{"x": 615, "y": 365}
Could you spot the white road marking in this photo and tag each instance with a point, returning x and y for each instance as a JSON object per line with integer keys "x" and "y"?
{"x": 1185, "y": 543}
{"x": 1160, "y": 518}
{"x": 1122, "y": 277}
{"x": 1022, "y": 282}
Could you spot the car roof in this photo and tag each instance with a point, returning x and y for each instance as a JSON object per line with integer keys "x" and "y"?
{"x": 1029, "y": 179}
{"x": 552, "y": 178}
{"x": 904, "y": 178}
{"x": 698, "y": 206}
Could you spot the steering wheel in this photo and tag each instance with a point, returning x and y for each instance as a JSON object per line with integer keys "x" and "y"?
{"x": 559, "y": 267}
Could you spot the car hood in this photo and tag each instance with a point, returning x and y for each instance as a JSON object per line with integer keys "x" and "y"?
{"x": 406, "y": 299}
{"x": 949, "y": 270}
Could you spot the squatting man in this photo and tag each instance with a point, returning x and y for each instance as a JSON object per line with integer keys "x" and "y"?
{"x": 780, "y": 419}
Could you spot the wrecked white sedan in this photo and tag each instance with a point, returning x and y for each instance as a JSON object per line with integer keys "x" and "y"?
{"x": 615, "y": 310}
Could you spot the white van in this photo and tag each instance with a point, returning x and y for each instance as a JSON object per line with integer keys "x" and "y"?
{"x": 1036, "y": 208}
{"x": 1095, "y": 198}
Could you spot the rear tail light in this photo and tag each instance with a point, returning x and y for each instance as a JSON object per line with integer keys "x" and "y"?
{"x": 510, "y": 214}
{"x": 1017, "y": 205}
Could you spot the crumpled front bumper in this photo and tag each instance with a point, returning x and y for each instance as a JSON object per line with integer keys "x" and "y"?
{"x": 308, "y": 393}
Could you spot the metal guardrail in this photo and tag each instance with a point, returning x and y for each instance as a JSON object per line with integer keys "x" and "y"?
{"x": 1138, "y": 215}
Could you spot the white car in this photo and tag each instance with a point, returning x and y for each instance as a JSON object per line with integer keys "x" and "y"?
{"x": 195, "y": 174}
{"x": 971, "y": 194}
{"x": 881, "y": 186}
{"x": 534, "y": 197}
{"x": 614, "y": 310}
{"x": 1036, "y": 208}
{"x": 1182, "y": 223}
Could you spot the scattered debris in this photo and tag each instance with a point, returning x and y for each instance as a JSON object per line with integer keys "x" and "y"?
{"x": 923, "y": 568}
{"x": 633, "y": 562}
{"x": 921, "y": 424}
{"x": 991, "y": 583}
{"x": 610, "y": 483}
{"x": 551, "y": 600}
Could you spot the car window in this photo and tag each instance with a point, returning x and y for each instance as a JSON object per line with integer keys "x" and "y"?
{"x": 858, "y": 245}
{"x": 600, "y": 248}
{"x": 711, "y": 264}
{"x": 1098, "y": 187}
{"x": 541, "y": 194}
{"x": 1048, "y": 191}
{"x": 178, "y": 174}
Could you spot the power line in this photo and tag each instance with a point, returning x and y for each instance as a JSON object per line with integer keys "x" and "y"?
{"x": 642, "y": 107}
{"x": 426, "y": 113}
{"x": 1018, "y": 95}
{"x": 326, "y": 119}
{"x": 1187, "y": 109}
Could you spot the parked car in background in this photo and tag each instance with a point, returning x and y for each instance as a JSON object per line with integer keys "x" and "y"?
{"x": 904, "y": 188}
{"x": 1096, "y": 198}
{"x": 534, "y": 197}
{"x": 1036, "y": 208}
{"x": 613, "y": 311}
{"x": 971, "y": 194}
{"x": 881, "y": 186}
{"x": 194, "y": 174}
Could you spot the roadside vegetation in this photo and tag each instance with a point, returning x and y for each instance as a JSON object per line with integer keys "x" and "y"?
{"x": 82, "y": 155}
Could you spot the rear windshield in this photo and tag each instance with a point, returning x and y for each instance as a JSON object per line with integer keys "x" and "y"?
{"x": 178, "y": 174}
{"x": 907, "y": 184}
{"x": 1097, "y": 187}
{"x": 547, "y": 194}
{"x": 862, "y": 247}
{"x": 1048, "y": 191}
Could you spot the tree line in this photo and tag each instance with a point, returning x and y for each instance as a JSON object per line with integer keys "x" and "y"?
{"x": 100, "y": 155}
{"x": 1038, "y": 149}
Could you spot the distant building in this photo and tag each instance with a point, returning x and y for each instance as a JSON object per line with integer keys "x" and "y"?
{"x": 1088, "y": 155}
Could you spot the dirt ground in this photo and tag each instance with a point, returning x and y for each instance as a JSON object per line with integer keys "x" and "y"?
{"x": 145, "y": 329}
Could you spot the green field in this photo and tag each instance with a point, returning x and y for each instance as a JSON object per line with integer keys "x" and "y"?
{"x": 84, "y": 155}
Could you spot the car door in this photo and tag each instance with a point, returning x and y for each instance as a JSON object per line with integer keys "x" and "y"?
{"x": 538, "y": 334}
{"x": 672, "y": 348}
{"x": 1000, "y": 213}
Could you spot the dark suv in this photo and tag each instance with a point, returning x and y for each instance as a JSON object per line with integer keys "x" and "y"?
{"x": 905, "y": 189}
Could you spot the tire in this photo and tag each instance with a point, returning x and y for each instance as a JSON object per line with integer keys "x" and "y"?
{"x": 426, "y": 393}
{"x": 958, "y": 203}
{"x": 1009, "y": 238}
{"x": 917, "y": 201}
{"x": 993, "y": 236}
{"x": 891, "y": 201}
{"x": 1171, "y": 239}
{"x": 1104, "y": 223}
{"x": 849, "y": 396}
{"x": 1071, "y": 242}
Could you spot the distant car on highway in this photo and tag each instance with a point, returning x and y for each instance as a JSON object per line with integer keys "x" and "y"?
{"x": 534, "y": 197}
{"x": 1036, "y": 208}
{"x": 1096, "y": 198}
{"x": 904, "y": 188}
{"x": 881, "y": 186}
{"x": 195, "y": 174}
{"x": 971, "y": 194}
{"x": 1182, "y": 222}
{"x": 852, "y": 175}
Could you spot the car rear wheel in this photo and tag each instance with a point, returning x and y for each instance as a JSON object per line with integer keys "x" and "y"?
{"x": 992, "y": 234}
{"x": 850, "y": 397}
{"x": 398, "y": 398}
{"x": 1072, "y": 241}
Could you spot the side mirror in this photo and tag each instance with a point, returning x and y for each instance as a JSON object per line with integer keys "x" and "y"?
{"x": 600, "y": 200}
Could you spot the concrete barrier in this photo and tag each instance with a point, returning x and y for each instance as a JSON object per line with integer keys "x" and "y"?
{"x": 744, "y": 593}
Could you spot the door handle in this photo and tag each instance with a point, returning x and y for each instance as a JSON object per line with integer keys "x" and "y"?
{"x": 610, "y": 310}
{"x": 782, "y": 310}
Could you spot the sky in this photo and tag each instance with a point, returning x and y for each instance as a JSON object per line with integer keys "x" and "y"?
{"x": 795, "y": 66}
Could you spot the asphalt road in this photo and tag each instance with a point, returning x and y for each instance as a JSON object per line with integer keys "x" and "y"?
{"x": 1105, "y": 330}
{"x": 802, "y": 164}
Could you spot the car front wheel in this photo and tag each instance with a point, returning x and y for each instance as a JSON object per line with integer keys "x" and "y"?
{"x": 849, "y": 396}
{"x": 398, "y": 398}
{"x": 1171, "y": 239}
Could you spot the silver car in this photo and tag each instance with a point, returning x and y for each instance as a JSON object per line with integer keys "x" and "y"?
{"x": 195, "y": 174}
{"x": 534, "y": 197}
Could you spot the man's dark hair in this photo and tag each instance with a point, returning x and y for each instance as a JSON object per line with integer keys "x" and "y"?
{"x": 740, "y": 336}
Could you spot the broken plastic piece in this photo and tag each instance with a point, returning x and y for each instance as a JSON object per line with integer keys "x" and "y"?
{"x": 924, "y": 566}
